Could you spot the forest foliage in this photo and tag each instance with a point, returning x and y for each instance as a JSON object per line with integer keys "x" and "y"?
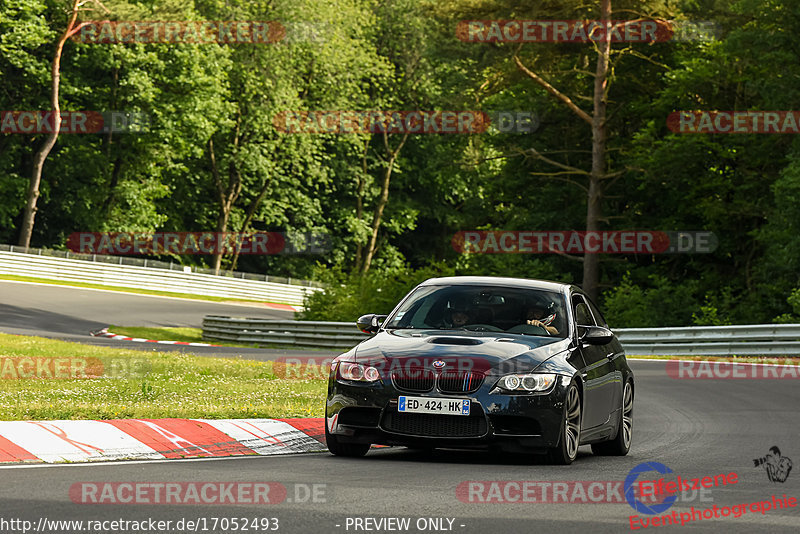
{"x": 212, "y": 158}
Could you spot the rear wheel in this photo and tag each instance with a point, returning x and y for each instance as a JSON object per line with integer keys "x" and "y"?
{"x": 621, "y": 444}
{"x": 338, "y": 448}
{"x": 567, "y": 449}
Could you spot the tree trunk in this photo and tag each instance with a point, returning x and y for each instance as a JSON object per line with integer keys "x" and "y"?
{"x": 226, "y": 195}
{"x": 597, "y": 121}
{"x": 360, "y": 206}
{"x": 251, "y": 211}
{"x": 377, "y": 216}
{"x": 29, "y": 216}
{"x": 591, "y": 262}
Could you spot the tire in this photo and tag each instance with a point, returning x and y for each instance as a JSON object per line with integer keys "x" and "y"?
{"x": 621, "y": 444}
{"x": 570, "y": 431}
{"x": 351, "y": 450}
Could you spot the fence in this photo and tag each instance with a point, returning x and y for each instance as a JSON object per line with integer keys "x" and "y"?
{"x": 148, "y": 274}
{"x": 701, "y": 340}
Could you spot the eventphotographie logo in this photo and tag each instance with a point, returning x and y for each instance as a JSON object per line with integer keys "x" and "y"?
{"x": 777, "y": 467}
{"x": 666, "y": 491}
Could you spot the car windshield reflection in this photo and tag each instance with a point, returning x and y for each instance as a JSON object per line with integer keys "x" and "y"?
{"x": 510, "y": 310}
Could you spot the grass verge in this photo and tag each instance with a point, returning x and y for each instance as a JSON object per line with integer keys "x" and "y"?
{"x": 136, "y": 384}
{"x": 15, "y": 278}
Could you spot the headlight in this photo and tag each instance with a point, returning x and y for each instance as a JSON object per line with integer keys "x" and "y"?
{"x": 358, "y": 373}
{"x": 527, "y": 383}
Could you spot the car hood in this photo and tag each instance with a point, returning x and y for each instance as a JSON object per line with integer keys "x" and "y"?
{"x": 488, "y": 352}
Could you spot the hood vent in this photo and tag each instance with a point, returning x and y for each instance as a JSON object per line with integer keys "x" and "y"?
{"x": 455, "y": 341}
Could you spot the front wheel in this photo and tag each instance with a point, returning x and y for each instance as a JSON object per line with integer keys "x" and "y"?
{"x": 621, "y": 444}
{"x": 337, "y": 448}
{"x": 567, "y": 449}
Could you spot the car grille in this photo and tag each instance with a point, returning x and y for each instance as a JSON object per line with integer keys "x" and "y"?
{"x": 460, "y": 382}
{"x": 434, "y": 425}
{"x": 422, "y": 380}
{"x": 414, "y": 379}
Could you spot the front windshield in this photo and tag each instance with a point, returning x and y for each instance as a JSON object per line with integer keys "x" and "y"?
{"x": 511, "y": 310}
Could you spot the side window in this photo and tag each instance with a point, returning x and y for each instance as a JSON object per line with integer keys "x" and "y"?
{"x": 597, "y": 315}
{"x": 582, "y": 314}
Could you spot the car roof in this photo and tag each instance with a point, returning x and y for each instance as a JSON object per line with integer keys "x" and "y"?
{"x": 497, "y": 281}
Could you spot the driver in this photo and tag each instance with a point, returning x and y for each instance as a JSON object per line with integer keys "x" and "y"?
{"x": 460, "y": 317}
{"x": 458, "y": 313}
{"x": 542, "y": 315}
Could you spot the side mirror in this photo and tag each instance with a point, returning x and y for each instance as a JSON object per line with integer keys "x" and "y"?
{"x": 370, "y": 323}
{"x": 596, "y": 335}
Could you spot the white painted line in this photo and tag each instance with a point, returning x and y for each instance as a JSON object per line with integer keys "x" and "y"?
{"x": 136, "y": 462}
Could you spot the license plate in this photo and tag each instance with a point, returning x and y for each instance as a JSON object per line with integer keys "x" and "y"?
{"x": 433, "y": 405}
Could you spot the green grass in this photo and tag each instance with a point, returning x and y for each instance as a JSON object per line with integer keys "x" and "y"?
{"x": 161, "y": 385}
{"x": 15, "y": 278}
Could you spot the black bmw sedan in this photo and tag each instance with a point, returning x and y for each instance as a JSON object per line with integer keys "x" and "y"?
{"x": 482, "y": 362}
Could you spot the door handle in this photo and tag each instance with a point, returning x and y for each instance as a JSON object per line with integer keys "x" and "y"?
{"x": 610, "y": 355}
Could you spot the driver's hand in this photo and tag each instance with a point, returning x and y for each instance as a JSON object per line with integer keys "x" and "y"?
{"x": 534, "y": 322}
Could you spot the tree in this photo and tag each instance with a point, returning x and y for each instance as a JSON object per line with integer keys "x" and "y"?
{"x": 41, "y": 155}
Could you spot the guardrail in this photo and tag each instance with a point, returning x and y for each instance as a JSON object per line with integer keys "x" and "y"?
{"x": 743, "y": 340}
{"x": 329, "y": 335}
{"x": 740, "y": 340}
{"x": 78, "y": 269}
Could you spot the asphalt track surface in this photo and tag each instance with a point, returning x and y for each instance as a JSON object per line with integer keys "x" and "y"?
{"x": 71, "y": 313}
{"x": 695, "y": 427}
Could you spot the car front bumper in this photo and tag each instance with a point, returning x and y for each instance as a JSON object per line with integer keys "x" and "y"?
{"x": 358, "y": 412}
